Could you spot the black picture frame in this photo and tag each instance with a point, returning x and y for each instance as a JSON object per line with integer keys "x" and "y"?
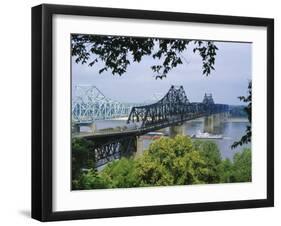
{"x": 42, "y": 111}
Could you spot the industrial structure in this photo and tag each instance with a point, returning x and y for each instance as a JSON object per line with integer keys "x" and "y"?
{"x": 172, "y": 110}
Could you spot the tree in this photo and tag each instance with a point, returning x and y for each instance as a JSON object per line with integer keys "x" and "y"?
{"x": 117, "y": 52}
{"x": 246, "y": 138}
{"x": 90, "y": 180}
{"x": 226, "y": 169}
{"x": 242, "y": 166}
{"x": 121, "y": 174}
{"x": 239, "y": 169}
{"x": 210, "y": 153}
{"x": 171, "y": 162}
{"x": 81, "y": 156}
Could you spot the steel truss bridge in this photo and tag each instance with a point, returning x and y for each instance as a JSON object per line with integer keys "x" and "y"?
{"x": 90, "y": 104}
{"x": 173, "y": 109}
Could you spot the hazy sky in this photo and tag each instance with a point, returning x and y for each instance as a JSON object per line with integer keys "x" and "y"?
{"x": 228, "y": 81}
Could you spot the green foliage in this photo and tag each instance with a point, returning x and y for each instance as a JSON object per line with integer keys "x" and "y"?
{"x": 246, "y": 138}
{"x": 226, "y": 169}
{"x": 242, "y": 166}
{"x": 240, "y": 170}
{"x": 118, "y": 52}
{"x": 212, "y": 157}
{"x": 153, "y": 172}
{"x": 170, "y": 161}
{"x": 121, "y": 174}
{"x": 89, "y": 180}
{"x": 82, "y": 157}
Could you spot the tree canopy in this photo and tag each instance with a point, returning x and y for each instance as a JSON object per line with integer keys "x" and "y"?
{"x": 169, "y": 161}
{"x": 246, "y": 138}
{"x": 118, "y": 52}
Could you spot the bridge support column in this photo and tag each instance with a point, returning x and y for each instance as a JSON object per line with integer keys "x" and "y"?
{"x": 93, "y": 127}
{"x": 177, "y": 130}
{"x": 218, "y": 119}
{"x": 76, "y": 128}
{"x": 209, "y": 124}
{"x": 139, "y": 147}
{"x": 225, "y": 116}
{"x": 212, "y": 123}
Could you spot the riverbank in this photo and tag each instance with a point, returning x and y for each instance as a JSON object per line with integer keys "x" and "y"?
{"x": 230, "y": 119}
{"x": 237, "y": 120}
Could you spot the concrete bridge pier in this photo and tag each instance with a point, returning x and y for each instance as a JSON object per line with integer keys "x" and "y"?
{"x": 76, "y": 128}
{"x": 208, "y": 124}
{"x": 212, "y": 123}
{"x": 225, "y": 116}
{"x": 179, "y": 129}
{"x": 93, "y": 127}
{"x": 139, "y": 150}
{"x": 218, "y": 120}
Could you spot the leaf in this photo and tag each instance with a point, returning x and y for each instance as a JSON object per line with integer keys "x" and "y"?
{"x": 102, "y": 70}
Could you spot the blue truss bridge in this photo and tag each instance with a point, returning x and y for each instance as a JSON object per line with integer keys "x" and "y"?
{"x": 172, "y": 109}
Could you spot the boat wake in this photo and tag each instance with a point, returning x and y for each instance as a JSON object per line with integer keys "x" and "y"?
{"x": 205, "y": 135}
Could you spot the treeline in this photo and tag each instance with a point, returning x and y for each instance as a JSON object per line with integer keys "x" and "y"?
{"x": 168, "y": 161}
{"x": 237, "y": 111}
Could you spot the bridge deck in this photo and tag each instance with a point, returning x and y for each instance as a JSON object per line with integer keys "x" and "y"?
{"x": 138, "y": 131}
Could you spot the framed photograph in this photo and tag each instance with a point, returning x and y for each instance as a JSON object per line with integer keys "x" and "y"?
{"x": 145, "y": 112}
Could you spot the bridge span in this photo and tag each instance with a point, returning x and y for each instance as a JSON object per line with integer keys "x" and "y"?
{"x": 173, "y": 109}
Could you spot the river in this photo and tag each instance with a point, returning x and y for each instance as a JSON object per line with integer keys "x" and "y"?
{"x": 232, "y": 130}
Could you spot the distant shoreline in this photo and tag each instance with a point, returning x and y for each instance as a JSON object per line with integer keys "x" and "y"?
{"x": 237, "y": 120}
{"x": 228, "y": 120}
{"x": 234, "y": 119}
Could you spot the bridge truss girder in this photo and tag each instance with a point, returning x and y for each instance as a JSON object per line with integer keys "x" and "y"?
{"x": 110, "y": 148}
{"x": 174, "y": 106}
{"x": 90, "y": 104}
